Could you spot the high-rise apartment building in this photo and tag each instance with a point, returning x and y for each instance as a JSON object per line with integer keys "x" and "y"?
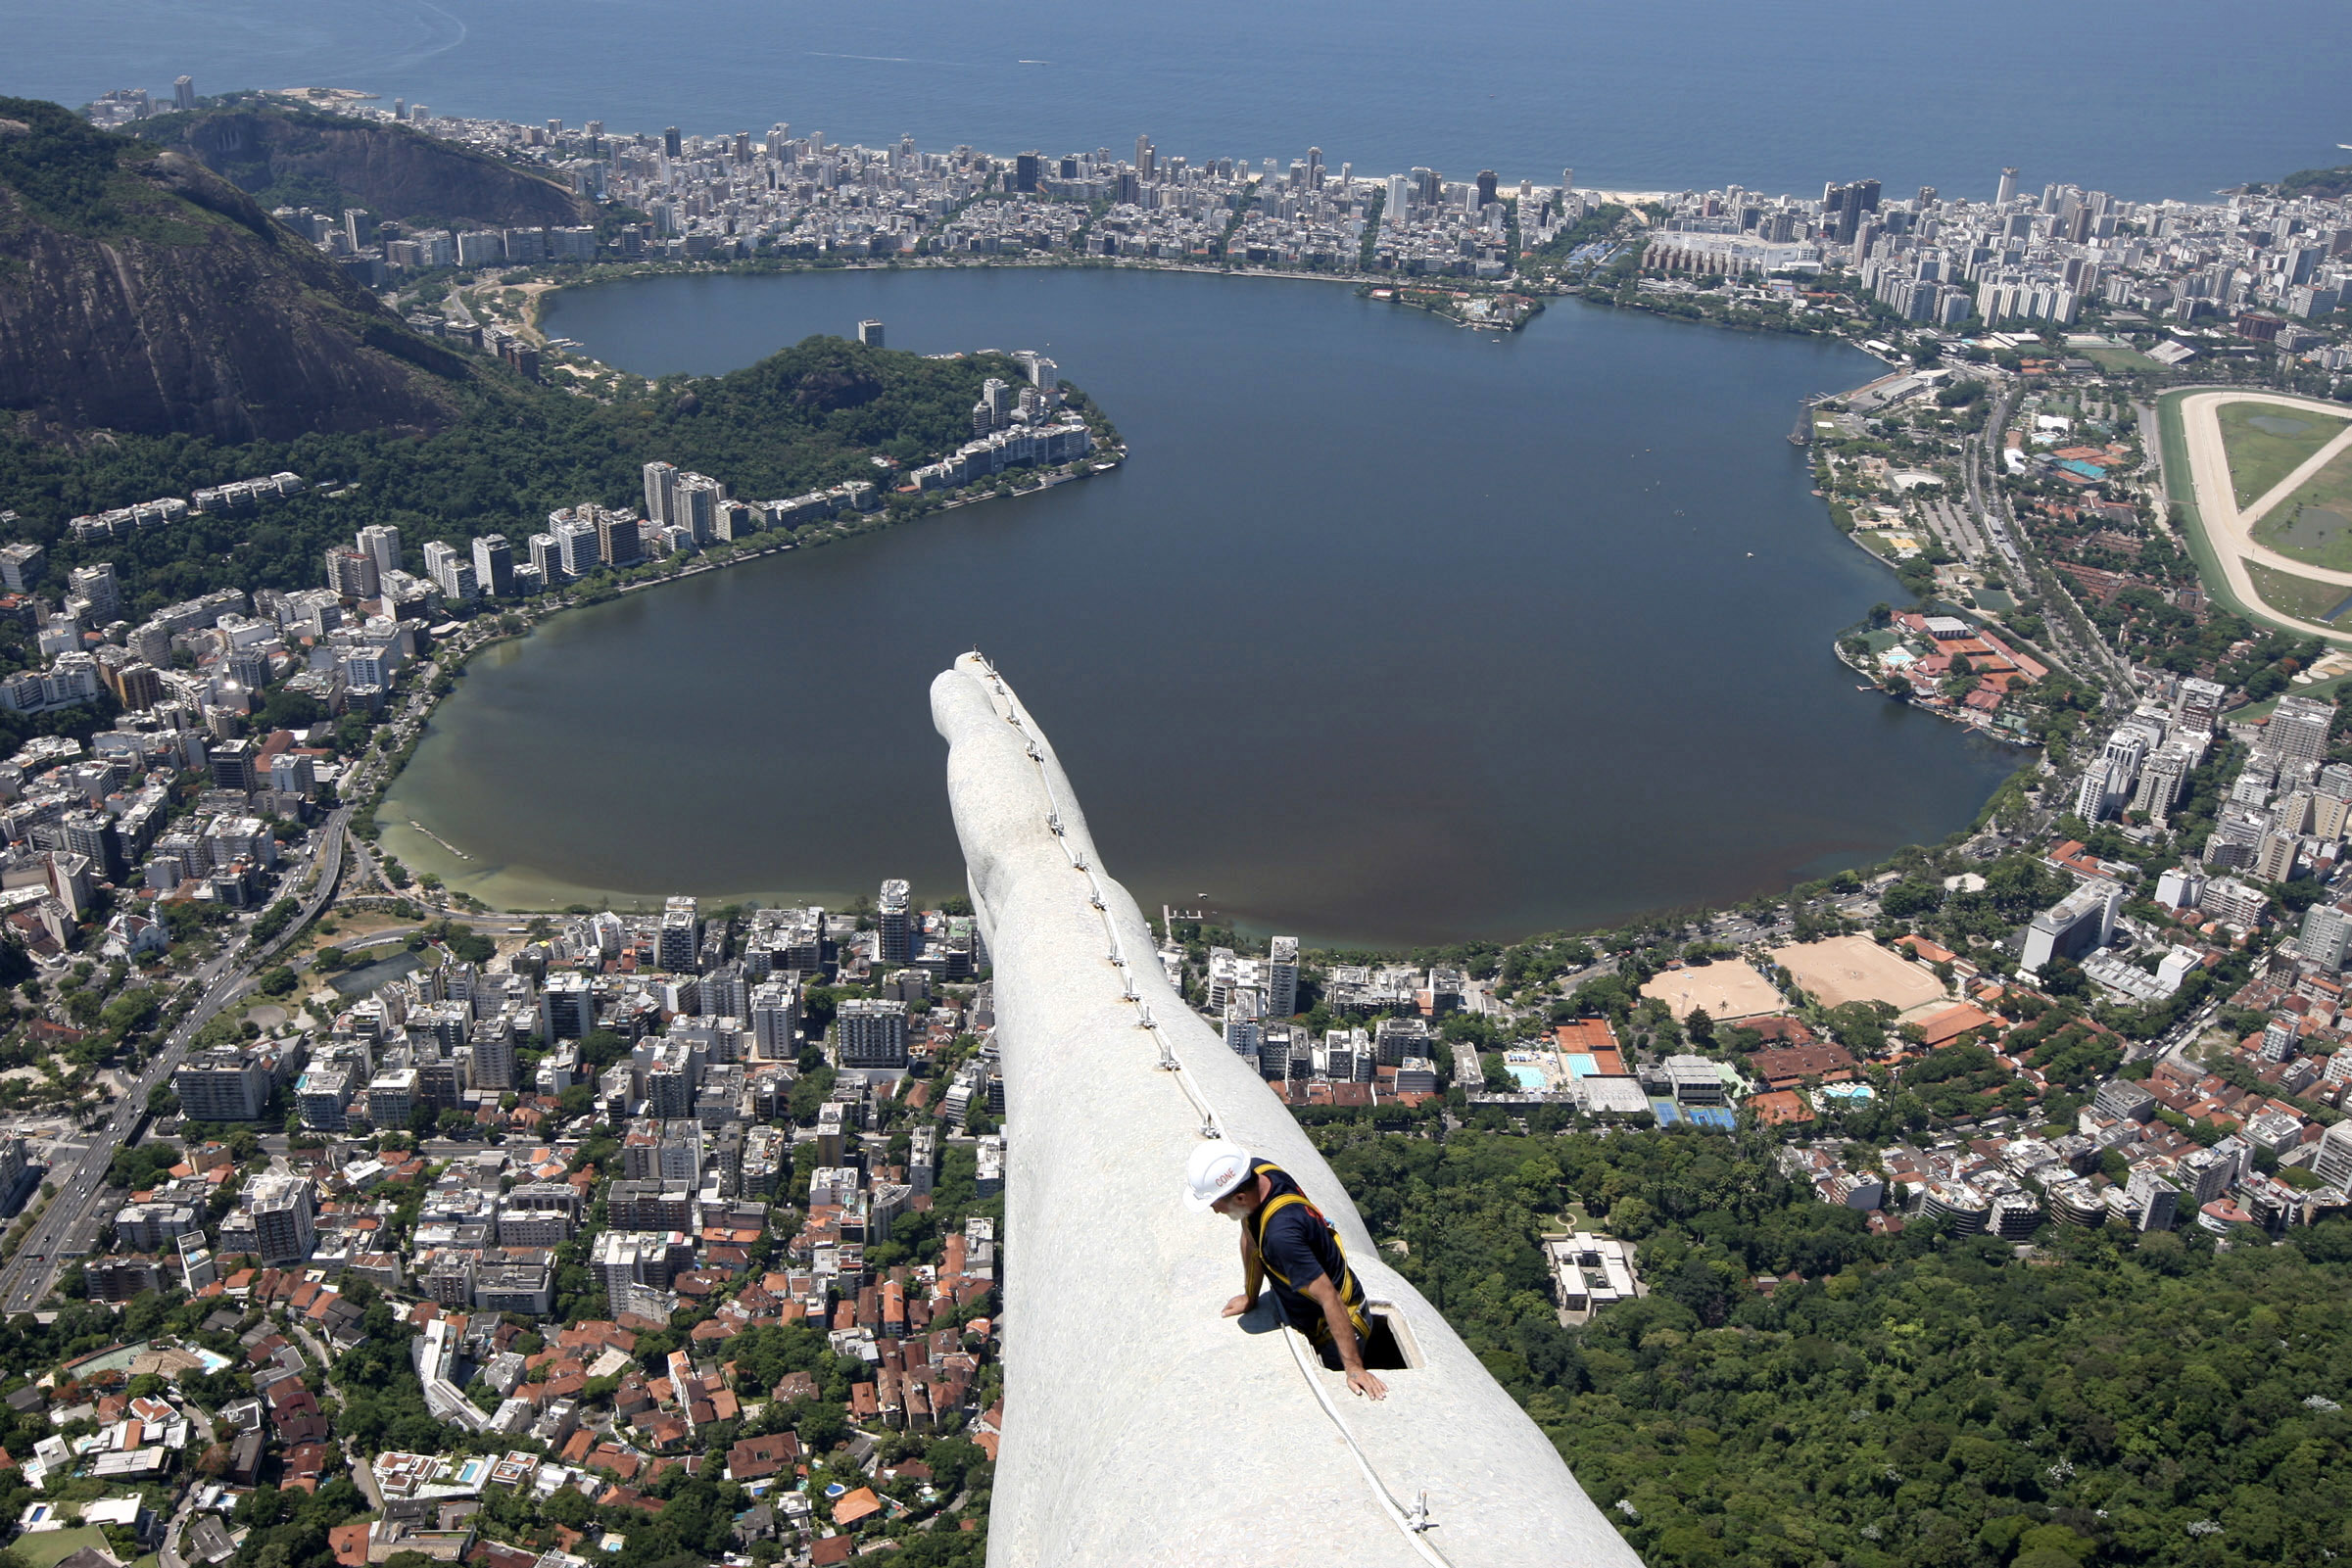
{"x": 577, "y": 548}
{"x": 451, "y": 571}
{"x": 183, "y": 93}
{"x": 231, "y": 763}
{"x": 775, "y": 1015}
{"x": 872, "y": 1032}
{"x": 1283, "y": 977}
{"x": 2327, "y": 934}
{"x": 695, "y": 503}
{"x": 893, "y": 923}
{"x": 659, "y": 477}
{"x": 2298, "y": 730}
{"x": 20, "y": 566}
{"x": 2333, "y": 1162}
{"x": 568, "y": 1006}
{"x": 283, "y": 1218}
{"x": 222, "y": 1084}
{"x": 618, "y": 541}
{"x": 493, "y": 566}
{"x": 353, "y": 575}
{"x": 493, "y": 1053}
{"x": 681, "y": 938}
{"x": 96, "y": 582}
{"x": 382, "y": 544}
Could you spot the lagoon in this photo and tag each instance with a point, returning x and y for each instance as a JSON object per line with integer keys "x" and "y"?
{"x": 1388, "y": 632}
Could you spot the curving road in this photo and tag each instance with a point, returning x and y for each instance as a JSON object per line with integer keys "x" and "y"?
{"x": 74, "y": 1213}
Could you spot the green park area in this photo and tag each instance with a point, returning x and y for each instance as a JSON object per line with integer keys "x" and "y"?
{"x": 2120, "y": 358}
{"x": 2267, "y": 442}
{"x": 2301, "y": 597}
{"x": 2314, "y": 523}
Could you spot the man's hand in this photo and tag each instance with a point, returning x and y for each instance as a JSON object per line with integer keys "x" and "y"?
{"x": 1237, "y": 1305}
{"x": 1361, "y": 1382}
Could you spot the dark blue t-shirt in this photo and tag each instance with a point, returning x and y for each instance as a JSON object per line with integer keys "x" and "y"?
{"x": 1300, "y": 1247}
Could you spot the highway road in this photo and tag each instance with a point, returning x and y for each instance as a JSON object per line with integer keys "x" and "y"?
{"x": 78, "y": 1180}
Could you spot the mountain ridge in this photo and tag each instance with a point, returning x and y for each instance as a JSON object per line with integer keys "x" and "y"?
{"x": 282, "y": 155}
{"x": 141, "y": 293}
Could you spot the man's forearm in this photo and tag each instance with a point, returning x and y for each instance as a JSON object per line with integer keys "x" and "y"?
{"x": 1343, "y": 1329}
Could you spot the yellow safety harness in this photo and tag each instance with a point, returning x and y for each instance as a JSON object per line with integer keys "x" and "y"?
{"x": 1351, "y": 1294}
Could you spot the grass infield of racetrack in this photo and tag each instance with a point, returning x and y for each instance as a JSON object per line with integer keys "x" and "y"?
{"x": 2259, "y": 459}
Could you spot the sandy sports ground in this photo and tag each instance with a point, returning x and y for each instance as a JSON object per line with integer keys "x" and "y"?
{"x": 1728, "y": 989}
{"x": 1855, "y": 969}
{"x": 2230, "y": 528}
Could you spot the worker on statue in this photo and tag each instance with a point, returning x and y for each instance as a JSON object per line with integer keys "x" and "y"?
{"x": 1286, "y": 1240}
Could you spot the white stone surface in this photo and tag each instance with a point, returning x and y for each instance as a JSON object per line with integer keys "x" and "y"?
{"x": 1140, "y": 1427}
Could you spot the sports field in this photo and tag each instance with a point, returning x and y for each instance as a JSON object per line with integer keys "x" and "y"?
{"x": 1728, "y": 990}
{"x": 1855, "y": 969}
{"x": 2121, "y": 358}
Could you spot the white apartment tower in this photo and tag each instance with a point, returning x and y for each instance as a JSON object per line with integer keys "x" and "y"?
{"x": 2333, "y": 1162}
{"x": 2298, "y": 730}
{"x": 383, "y": 545}
{"x": 775, "y": 1015}
{"x": 494, "y": 1055}
{"x": 2326, "y": 935}
{"x": 2199, "y": 705}
{"x": 659, "y": 478}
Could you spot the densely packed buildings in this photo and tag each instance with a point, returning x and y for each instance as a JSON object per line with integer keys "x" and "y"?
{"x": 656, "y": 1135}
{"x": 2263, "y": 262}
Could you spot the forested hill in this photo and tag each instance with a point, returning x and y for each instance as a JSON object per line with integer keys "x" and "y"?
{"x": 2322, "y": 184}
{"x": 286, "y": 156}
{"x": 809, "y": 417}
{"x": 142, "y": 294}
{"x": 2099, "y": 1398}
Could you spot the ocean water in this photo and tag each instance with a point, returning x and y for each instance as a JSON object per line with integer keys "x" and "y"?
{"x": 2143, "y": 98}
{"x": 1388, "y": 631}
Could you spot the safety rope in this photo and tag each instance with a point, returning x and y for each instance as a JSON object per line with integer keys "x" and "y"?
{"x": 1413, "y": 1522}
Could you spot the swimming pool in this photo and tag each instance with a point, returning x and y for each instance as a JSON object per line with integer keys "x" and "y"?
{"x": 1530, "y": 1078}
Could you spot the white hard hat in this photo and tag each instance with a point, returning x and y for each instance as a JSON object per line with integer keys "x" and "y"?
{"x": 1214, "y": 1169}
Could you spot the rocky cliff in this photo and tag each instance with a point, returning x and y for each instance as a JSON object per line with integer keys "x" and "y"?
{"x": 301, "y": 158}
{"x": 140, "y": 292}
